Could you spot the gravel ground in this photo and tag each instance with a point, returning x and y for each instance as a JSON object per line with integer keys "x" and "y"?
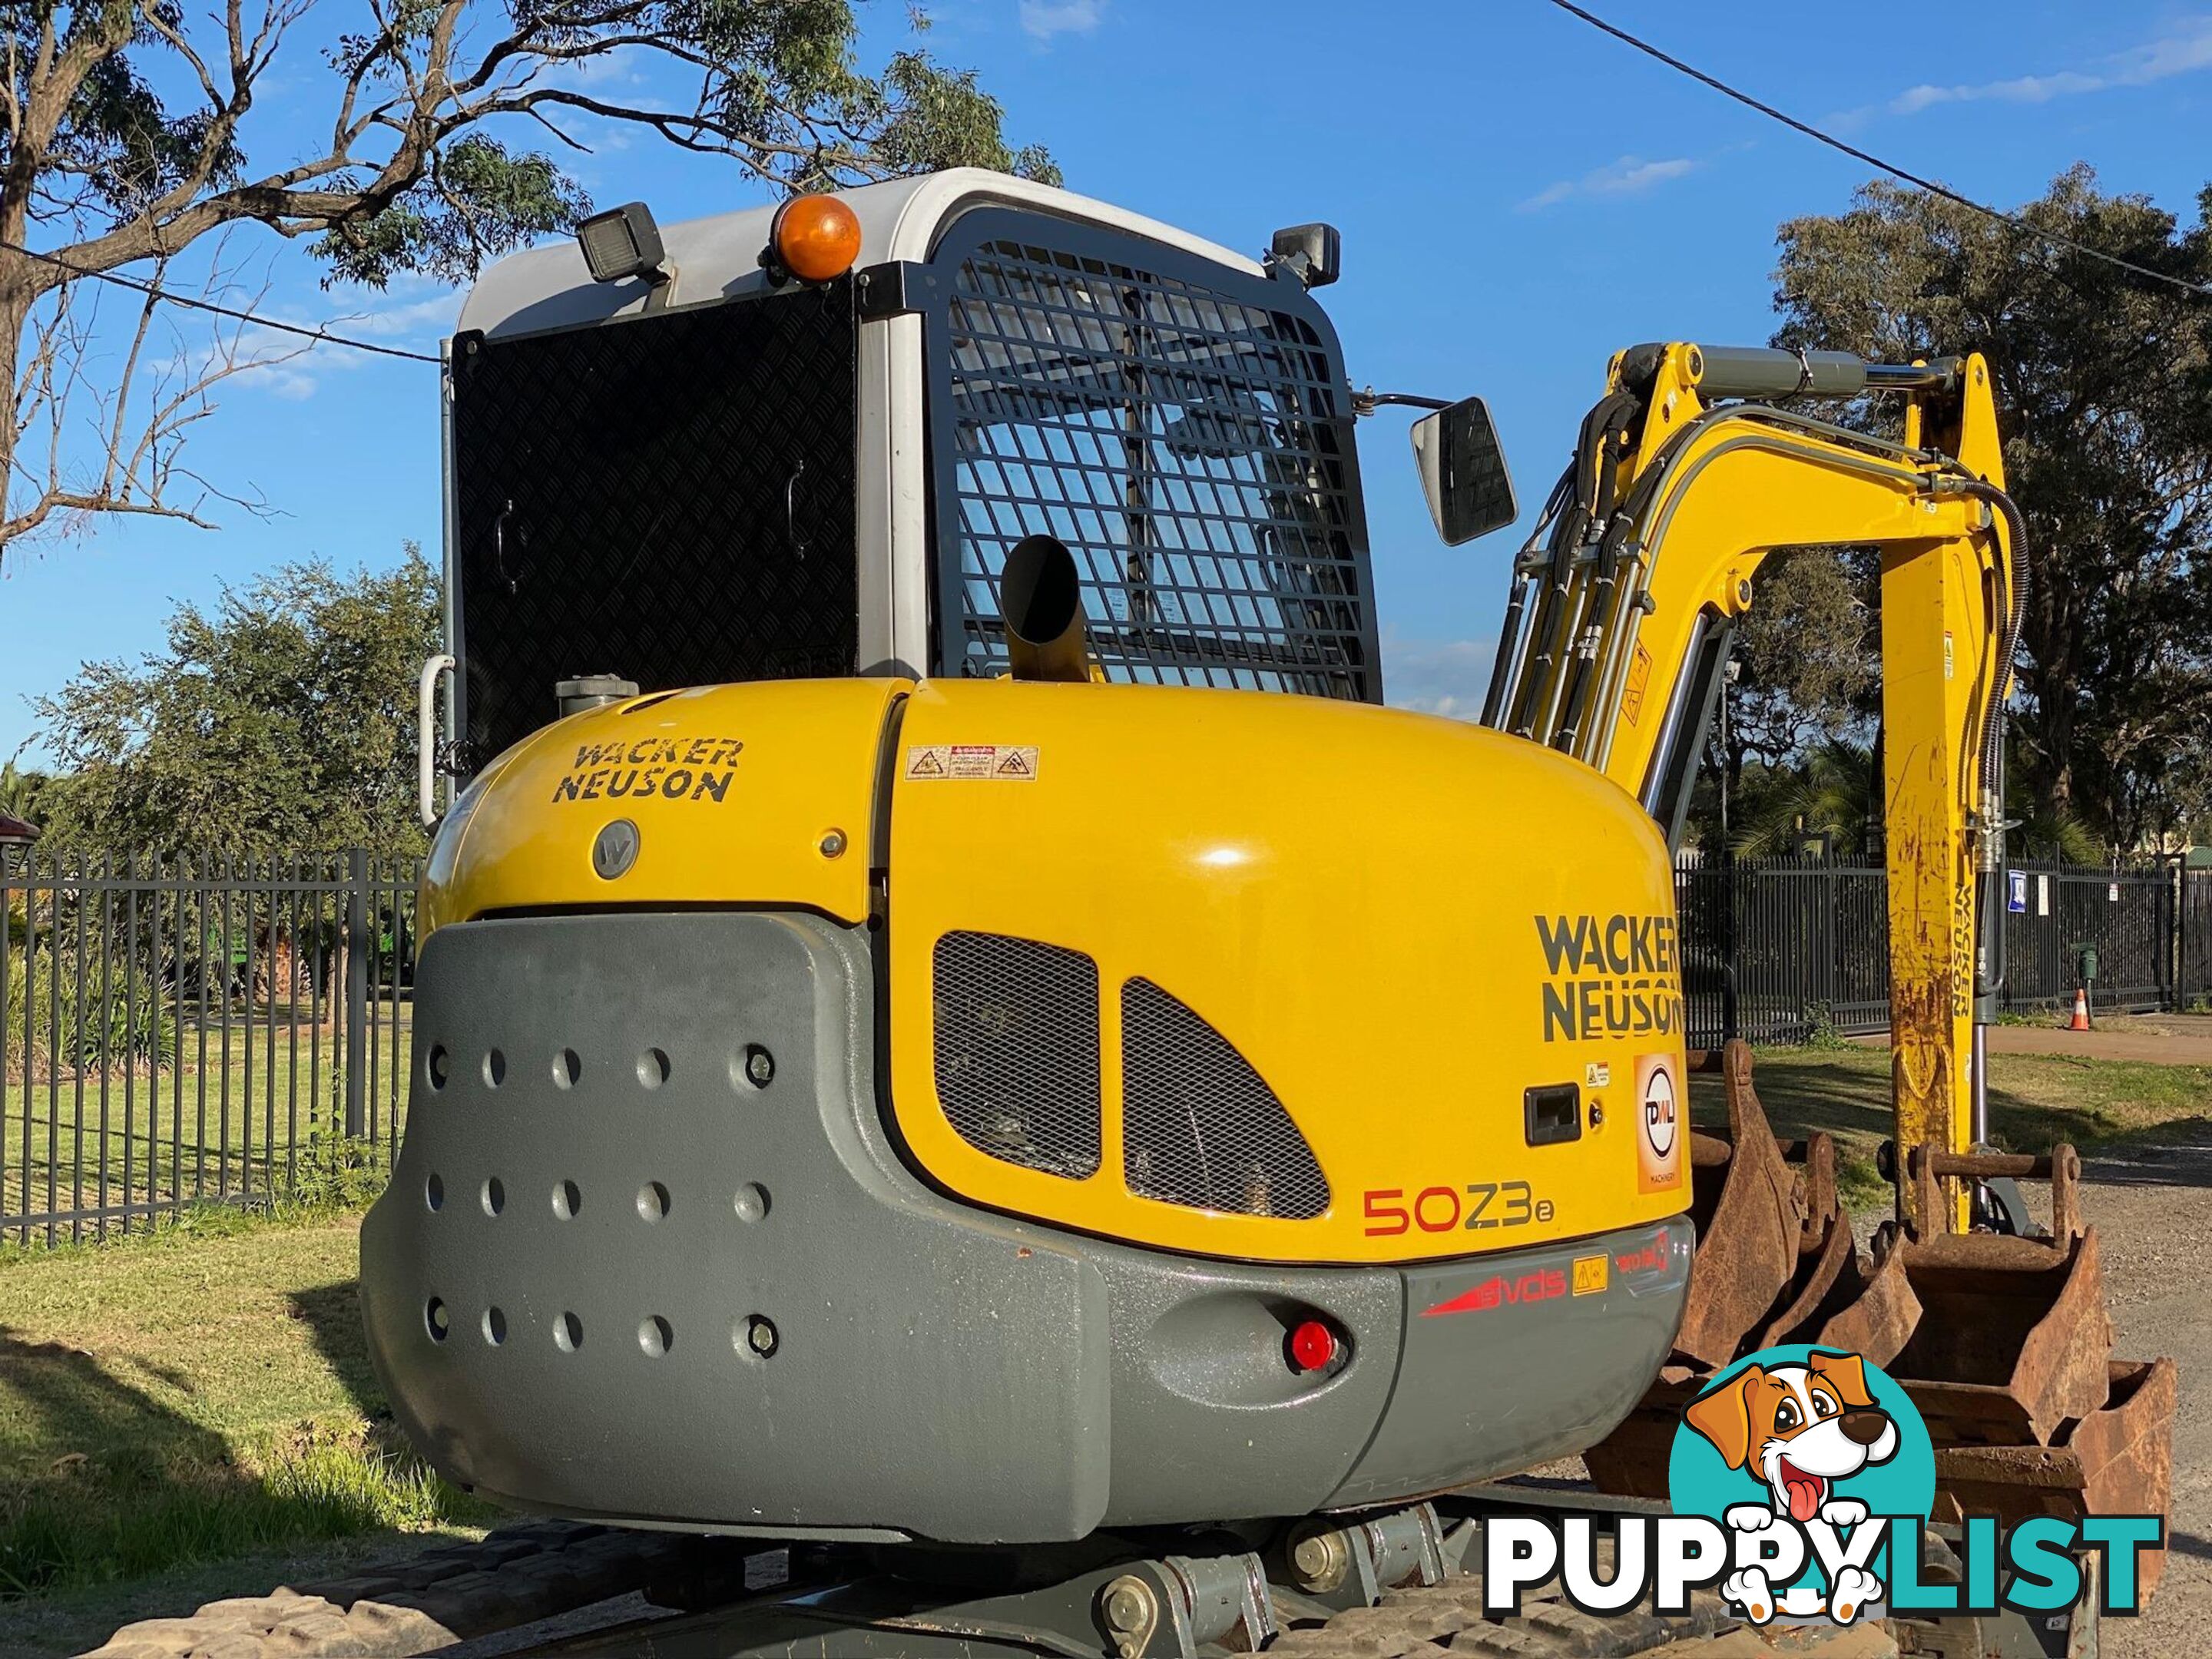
{"x": 2166, "y": 1039}
{"x": 2152, "y": 1207}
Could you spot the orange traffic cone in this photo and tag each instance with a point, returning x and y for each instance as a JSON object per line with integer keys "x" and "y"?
{"x": 2081, "y": 1010}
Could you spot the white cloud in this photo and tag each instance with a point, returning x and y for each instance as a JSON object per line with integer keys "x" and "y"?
{"x": 1438, "y": 676}
{"x": 432, "y": 316}
{"x": 414, "y": 312}
{"x": 2183, "y": 49}
{"x": 621, "y": 67}
{"x": 1043, "y": 19}
{"x": 1632, "y": 175}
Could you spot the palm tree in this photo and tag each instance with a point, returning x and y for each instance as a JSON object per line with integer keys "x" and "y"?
{"x": 19, "y": 791}
{"x": 1836, "y": 792}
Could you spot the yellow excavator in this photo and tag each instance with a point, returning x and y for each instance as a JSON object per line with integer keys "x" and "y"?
{"x": 957, "y": 1033}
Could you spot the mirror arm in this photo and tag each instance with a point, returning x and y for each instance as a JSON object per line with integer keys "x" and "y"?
{"x": 1367, "y": 402}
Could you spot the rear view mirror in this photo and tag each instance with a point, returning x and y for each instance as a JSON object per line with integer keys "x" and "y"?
{"x": 1463, "y": 472}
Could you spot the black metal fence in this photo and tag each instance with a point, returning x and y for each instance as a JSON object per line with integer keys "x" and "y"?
{"x": 179, "y": 1030}
{"x": 2196, "y": 939}
{"x": 1780, "y": 952}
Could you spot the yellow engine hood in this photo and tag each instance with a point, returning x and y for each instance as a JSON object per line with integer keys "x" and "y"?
{"x": 739, "y": 794}
{"x": 1400, "y": 925}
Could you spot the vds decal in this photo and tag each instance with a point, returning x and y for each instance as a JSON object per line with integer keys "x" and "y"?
{"x": 1501, "y": 1290}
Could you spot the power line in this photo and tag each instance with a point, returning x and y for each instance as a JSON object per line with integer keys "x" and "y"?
{"x": 2202, "y": 290}
{"x": 194, "y": 302}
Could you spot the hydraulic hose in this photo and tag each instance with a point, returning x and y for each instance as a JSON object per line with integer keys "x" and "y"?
{"x": 1622, "y": 526}
{"x": 1993, "y": 717}
{"x": 1594, "y": 473}
{"x": 1991, "y": 854}
{"x": 1505, "y": 668}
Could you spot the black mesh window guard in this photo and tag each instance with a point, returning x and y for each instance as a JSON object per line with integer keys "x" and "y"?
{"x": 669, "y": 498}
{"x": 1183, "y": 428}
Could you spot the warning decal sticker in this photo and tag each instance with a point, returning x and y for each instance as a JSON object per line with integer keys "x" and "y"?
{"x": 1640, "y": 676}
{"x": 1007, "y": 761}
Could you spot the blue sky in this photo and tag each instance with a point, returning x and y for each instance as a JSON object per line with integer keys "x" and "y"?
{"x": 1519, "y": 196}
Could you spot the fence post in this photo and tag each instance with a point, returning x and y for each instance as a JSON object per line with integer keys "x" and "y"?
{"x": 2171, "y": 893}
{"x": 1729, "y": 885}
{"x": 356, "y": 994}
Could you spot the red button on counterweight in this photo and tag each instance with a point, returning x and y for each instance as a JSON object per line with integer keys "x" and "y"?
{"x": 1313, "y": 1345}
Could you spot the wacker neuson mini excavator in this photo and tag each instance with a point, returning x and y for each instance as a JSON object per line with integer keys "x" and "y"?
{"x": 955, "y": 1027}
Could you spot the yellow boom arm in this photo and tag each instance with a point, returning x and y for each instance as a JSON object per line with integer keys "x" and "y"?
{"x": 1617, "y": 634}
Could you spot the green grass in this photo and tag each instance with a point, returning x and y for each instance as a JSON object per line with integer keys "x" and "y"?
{"x": 196, "y": 1396}
{"x": 2035, "y": 1101}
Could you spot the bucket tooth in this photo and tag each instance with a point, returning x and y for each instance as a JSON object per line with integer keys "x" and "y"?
{"x": 1828, "y": 1280}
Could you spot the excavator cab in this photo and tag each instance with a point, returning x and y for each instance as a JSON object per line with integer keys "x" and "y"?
{"x": 724, "y": 477}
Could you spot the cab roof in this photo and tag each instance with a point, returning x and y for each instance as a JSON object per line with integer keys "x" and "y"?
{"x": 719, "y": 256}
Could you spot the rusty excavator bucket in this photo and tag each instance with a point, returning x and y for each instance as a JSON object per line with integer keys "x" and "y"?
{"x": 2004, "y": 1343}
{"x": 2011, "y": 1363}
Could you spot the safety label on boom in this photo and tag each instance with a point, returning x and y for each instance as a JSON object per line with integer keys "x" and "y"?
{"x": 972, "y": 760}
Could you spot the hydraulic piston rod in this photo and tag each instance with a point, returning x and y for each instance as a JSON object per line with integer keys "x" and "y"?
{"x": 1770, "y": 371}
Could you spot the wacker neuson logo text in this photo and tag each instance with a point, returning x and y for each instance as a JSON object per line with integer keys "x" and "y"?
{"x": 1610, "y": 976}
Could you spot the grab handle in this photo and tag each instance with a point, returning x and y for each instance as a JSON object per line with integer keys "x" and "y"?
{"x": 426, "y": 736}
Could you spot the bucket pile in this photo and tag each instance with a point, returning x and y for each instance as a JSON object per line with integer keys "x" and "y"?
{"x": 2004, "y": 1343}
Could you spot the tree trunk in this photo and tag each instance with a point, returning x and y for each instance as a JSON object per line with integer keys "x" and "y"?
{"x": 16, "y": 302}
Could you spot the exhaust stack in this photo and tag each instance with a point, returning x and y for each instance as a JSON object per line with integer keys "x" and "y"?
{"x": 1042, "y": 600}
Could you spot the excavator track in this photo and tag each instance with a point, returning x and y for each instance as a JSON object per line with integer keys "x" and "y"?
{"x": 536, "y": 1571}
{"x": 1441, "y": 1621}
{"x": 1447, "y": 1618}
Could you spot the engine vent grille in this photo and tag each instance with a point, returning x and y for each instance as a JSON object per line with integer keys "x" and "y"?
{"x": 1016, "y": 1050}
{"x": 1199, "y": 1127}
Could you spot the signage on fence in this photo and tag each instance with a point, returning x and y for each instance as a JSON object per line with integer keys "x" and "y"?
{"x": 2113, "y": 893}
{"x": 2016, "y": 892}
{"x": 2043, "y": 895}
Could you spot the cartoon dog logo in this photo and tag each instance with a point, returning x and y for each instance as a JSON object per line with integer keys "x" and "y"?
{"x": 1801, "y": 1429}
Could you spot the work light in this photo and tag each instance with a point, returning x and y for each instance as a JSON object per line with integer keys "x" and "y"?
{"x": 623, "y": 242}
